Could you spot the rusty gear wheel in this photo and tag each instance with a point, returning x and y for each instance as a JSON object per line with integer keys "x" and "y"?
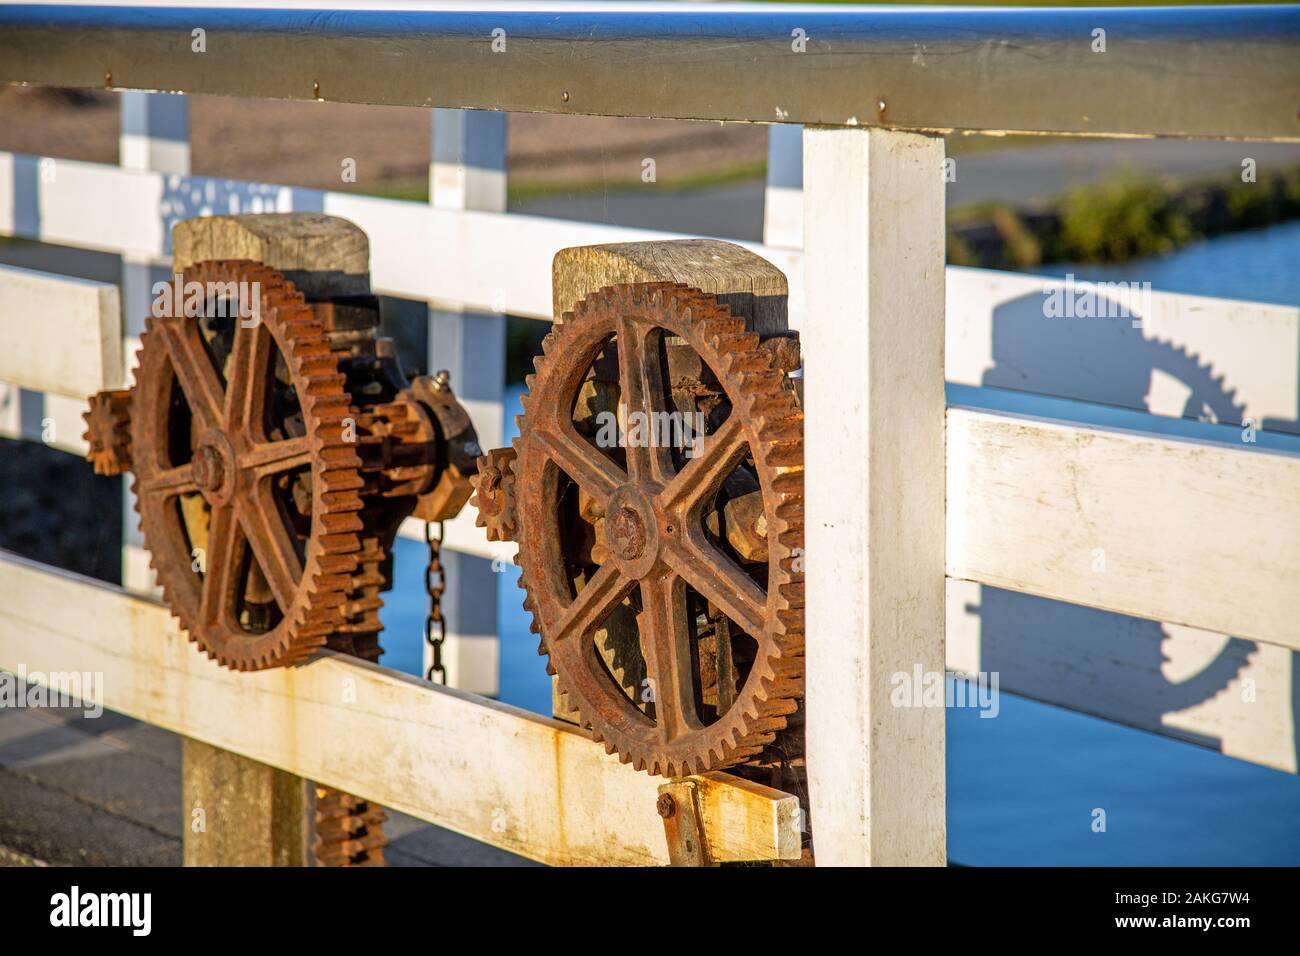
{"x": 494, "y": 494}
{"x": 719, "y": 639}
{"x": 246, "y": 486}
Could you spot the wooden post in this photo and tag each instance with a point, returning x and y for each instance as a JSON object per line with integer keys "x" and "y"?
{"x": 239, "y": 812}
{"x": 874, "y": 443}
{"x": 154, "y": 135}
{"x": 746, "y": 283}
{"x": 322, "y": 255}
{"x": 469, "y": 172}
{"x": 242, "y": 813}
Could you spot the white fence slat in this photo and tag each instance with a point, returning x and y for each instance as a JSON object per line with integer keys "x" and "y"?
{"x": 155, "y": 132}
{"x": 1231, "y": 695}
{"x": 51, "y": 420}
{"x": 499, "y": 262}
{"x": 488, "y": 261}
{"x": 1216, "y": 359}
{"x": 61, "y": 335}
{"x": 1173, "y": 529}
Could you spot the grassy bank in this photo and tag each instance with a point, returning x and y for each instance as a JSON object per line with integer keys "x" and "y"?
{"x": 1127, "y": 218}
{"x": 529, "y": 191}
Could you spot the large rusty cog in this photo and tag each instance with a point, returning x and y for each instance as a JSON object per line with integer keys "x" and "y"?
{"x": 211, "y": 476}
{"x": 653, "y": 538}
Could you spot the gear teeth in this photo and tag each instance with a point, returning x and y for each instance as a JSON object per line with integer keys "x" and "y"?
{"x": 789, "y": 483}
{"x": 341, "y": 522}
{"x": 338, "y": 563}
{"x": 342, "y": 501}
{"x": 341, "y": 479}
{"x": 786, "y": 454}
{"x": 325, "y": 385}
{"x": 349, "y": 831}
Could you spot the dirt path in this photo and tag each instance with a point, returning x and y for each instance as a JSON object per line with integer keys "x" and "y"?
{"x": 305, "y": 144}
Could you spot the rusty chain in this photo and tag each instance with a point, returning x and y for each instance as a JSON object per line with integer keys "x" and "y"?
{"x": 435, "y": 582}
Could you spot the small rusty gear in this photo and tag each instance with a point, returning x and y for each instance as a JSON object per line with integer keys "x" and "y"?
{"x": 649, "y": 556}
{"x": 108, "y": 431}
{"x": 349, "y": 830}
{"x": 494, "y": 494}
{"x": 247, "y": 490}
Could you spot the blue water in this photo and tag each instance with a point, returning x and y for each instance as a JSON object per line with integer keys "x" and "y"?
{"x": 1259, "y": 266}
{"x": 1023, "y": 788}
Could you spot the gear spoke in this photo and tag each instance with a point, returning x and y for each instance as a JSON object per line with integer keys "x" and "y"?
{"x": 640, "y": 383}
{"x": 720, "y": 580}
{"x": 598, "y": 598}
{"x": 219, "y": 565}
{"x": 594, "y": 473}
{"x": 703, "y": 475}
{"x": 666, "y": 643}
{"x": 273, "y": 457}
{"x": 193, "y": 367}
{"x": 249, "y": 369}
{"x": 272, "y": 544}
{"x": 170, "y": 481}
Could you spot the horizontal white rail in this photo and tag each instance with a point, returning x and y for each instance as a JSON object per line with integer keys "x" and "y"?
{"x": 1174, "y": 529}
{"x": 1169, "y": 354}
{"x": 493, "y": 262}
{"x": 502, "y": 262}
{"x": 60, "y": 334}
{"x": 1231, "y": 695}
{"x": 501, "y": 775}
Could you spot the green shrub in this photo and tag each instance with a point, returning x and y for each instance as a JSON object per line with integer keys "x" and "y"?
{"x": 1120, "y": 220}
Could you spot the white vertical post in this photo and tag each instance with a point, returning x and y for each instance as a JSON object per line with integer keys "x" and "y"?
{"x": 154, "y": 135}
{"x": 874, "y": 445}
{"x": 783, "y": 196}
{"x": 469, "y": 172}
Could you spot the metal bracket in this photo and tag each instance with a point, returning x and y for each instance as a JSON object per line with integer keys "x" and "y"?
{"x": 679, "y": 805}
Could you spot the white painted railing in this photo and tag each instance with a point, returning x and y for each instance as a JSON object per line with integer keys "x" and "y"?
{"x": 1097, "y": 548}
